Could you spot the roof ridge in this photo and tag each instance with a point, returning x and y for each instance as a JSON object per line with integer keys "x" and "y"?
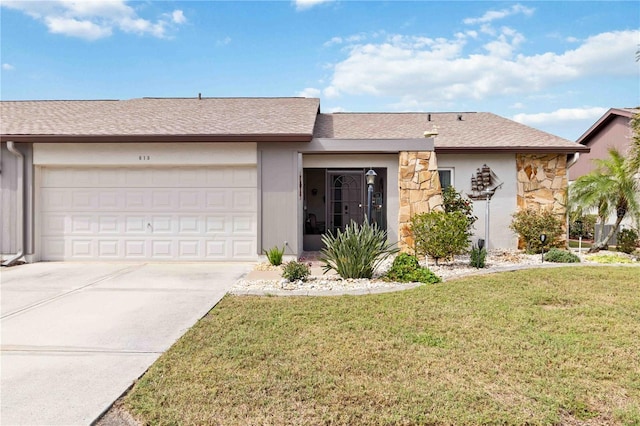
{"x": 222, "y": 97}
{"x": 403, "y": 112}
{"x": 61, "y": 100}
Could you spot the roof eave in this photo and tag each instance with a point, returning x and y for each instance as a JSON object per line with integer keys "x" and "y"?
{"x": 516, "y": 149}
{"x": 602, "y": 121}
{"x": 284, "y": 137}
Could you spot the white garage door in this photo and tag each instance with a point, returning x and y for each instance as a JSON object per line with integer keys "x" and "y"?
{"x": 127, "y": 213}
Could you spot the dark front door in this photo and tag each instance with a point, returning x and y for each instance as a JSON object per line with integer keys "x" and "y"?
{"x": 346, "y": 198}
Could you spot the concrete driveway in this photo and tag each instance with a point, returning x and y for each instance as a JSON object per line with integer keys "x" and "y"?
{"x": 76, "y": 335}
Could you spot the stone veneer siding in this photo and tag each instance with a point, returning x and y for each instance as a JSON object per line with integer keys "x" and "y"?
{"x": 542, "y": 184}
{"x": 420, "y": 191}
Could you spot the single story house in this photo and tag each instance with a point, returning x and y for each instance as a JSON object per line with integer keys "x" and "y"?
{"x": 219, "y": 179}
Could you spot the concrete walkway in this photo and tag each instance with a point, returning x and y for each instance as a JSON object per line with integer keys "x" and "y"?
{"x": 76, "y": 335}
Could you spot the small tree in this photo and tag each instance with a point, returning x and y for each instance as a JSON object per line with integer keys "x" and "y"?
{"x": 453, "y": 201}
{"x": 441, "y": 234}
{"x": 530, "y": 224}
{"x": 611, "y": 188}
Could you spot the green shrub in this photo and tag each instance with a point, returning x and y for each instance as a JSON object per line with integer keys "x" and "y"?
{"x": 356, "y": 252}
{"x": 627, "y": 241}
{"x": 274, "y": 255}
{"x": 478, "y": 257}
{"x": 453, "y": 201}
{"x": 405, "y": 268}
{"x": 440, "y": 234}
{"x": 294, "y": 271}
{"x": 561, "y": 256}
{"x": 530, "y": 224}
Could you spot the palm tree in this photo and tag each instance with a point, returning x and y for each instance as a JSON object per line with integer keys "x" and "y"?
{"x": 611, "y": 187}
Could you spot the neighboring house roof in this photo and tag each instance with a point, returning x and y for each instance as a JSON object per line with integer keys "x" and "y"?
{"x": 457, "y": 131}
{"x": 604, "y": 120}
{"x": 611, "y": 131}
{"x": 160, "y": 119}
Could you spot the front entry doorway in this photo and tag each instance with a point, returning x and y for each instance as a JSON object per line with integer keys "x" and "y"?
{"x": 333, "y": 198}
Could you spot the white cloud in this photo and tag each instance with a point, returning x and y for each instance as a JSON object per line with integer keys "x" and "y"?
{"x": 95, "y": 19}
{"x": 493, "y": 15}
{"x": 77, "y": 28}
{"x": 354, "y": 38}
{"x": 223, "y": 42}
{"x": 308, "y": 4}
{"x": 309, "y": 92}
{"x": 178, "y": 17}
{"x": 425, "y": 72}
{"x": 561, "y": 115}
{"x": 331, "y": 110}
{"x": 8, "y": 67}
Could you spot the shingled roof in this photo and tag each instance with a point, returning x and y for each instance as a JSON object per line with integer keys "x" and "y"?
{"x": 457, "y": 131}
{"x": 260, "y": 119}
{"x": 611, "y": 114}
{"x": 159, "y": 119}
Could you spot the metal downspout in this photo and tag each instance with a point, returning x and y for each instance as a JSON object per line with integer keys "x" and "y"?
{"x": 20, "y": 206}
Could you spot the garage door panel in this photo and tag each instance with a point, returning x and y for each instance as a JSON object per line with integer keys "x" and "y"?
{"x": 218, "y": 199}
{"x": 135, "y": 224}
{"x": 82, "y": 248}
{"x": 243, "y": 224}
{"x": 189, "y": 249}
{"x": 56, "y": 200}
{"x": 109, "y": 249}
{"x": 136, "y": 200}
{"x": 216, "y": 224}
{"x": 110, "y": 224}
{"x": 190, "y": 225}
{"x": 111, "y": 200}
{"x": 84, "y": 200}
{"x": 193, "y": 200}
{"x": 242, "y": 248}
{"x": 156, "y": 213}
{"x": 54, "y": 248}
{"x": 162, "y": 225}
{"x": 243, "y": 177}
{"x": 243, "y": 200}
{"x": 82, "y": 224}
{"x": 135, "y": 249}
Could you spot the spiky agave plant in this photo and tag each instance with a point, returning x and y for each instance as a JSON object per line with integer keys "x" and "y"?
{"x": 357, "y": 251}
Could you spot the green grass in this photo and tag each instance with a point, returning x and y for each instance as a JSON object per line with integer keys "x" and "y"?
{"x": 543, "y": 346}
{"x": 576, "y": 244}
{"x": 607, "y": 258}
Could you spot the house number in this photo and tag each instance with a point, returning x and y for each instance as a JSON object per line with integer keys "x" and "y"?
{"x": 144, "y": 157}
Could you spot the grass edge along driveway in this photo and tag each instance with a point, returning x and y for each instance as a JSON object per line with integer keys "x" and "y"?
{"x": 542, "y": 346}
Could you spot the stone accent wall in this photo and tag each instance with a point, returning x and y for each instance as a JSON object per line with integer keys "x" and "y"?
{"x": 542, "y": 184}
{"x": 420, "y": 191}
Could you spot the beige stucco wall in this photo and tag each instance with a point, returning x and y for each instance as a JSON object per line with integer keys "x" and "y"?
{"x": 502, "y": 205}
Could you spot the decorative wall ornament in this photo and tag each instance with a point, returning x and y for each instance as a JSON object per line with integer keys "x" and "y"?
{"x": 484, "y": 183}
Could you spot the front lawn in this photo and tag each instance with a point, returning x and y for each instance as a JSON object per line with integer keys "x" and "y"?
{"x": 540, "y": 346}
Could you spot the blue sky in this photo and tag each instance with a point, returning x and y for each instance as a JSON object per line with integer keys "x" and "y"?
{"x": 557, "y": 66}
